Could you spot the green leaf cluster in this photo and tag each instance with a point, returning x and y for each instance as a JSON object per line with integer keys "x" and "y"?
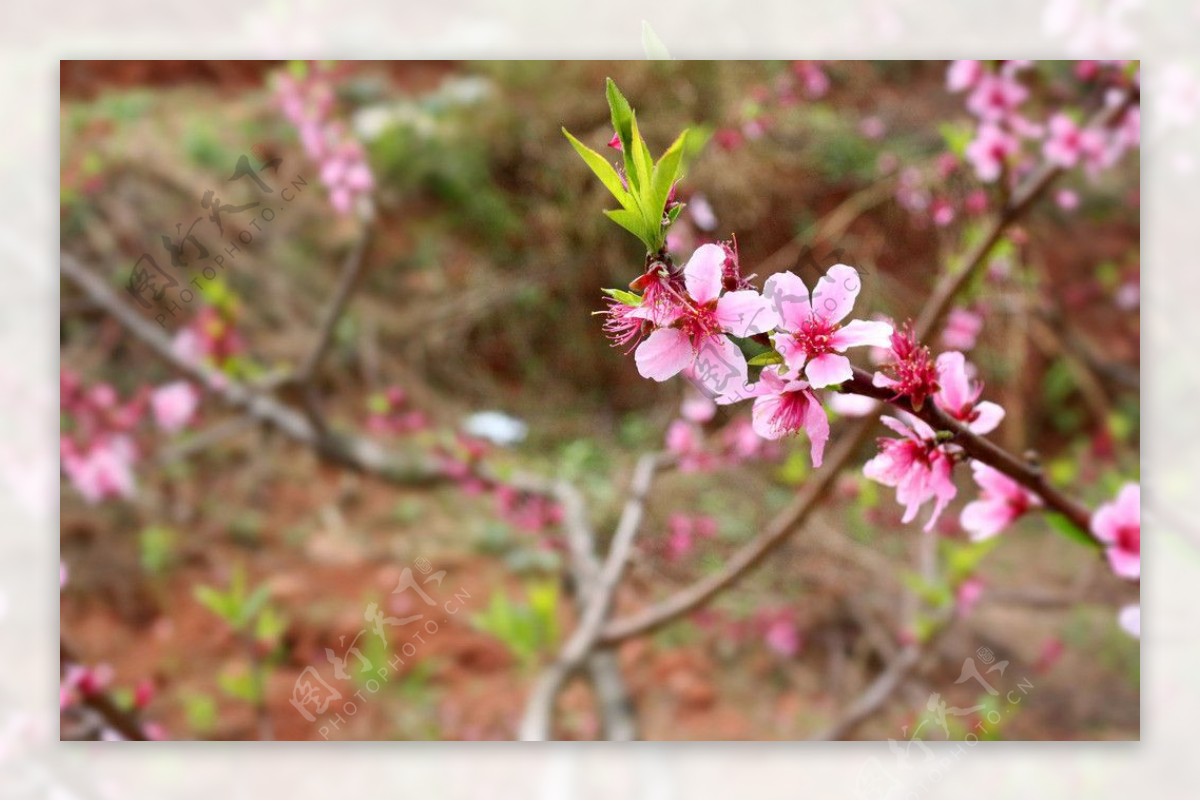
{"x": 646, "y": 185}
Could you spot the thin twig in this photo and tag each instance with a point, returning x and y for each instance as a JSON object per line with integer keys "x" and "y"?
{"x": 351, "y": 274}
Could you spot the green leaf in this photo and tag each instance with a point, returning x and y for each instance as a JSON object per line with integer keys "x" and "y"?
{"x": 665, "y": 173}
{"x": 628, "y": 298}
{"x": 1063, "y": 525}
{"x": 216, "y": 602}
{"x": 622, "y": 117}
{"x": 765, "y": 358}
{"x": 633, "y": 222}
{"x": 269, "y": 626}
{"x": 956, "y": 136}
{"x": 253, "y": 604}
{"x": 654, "y": 47}
{"x": 602, "y": 168}
{"x": 239, "y": 684}
{"x": 643, "y": 164}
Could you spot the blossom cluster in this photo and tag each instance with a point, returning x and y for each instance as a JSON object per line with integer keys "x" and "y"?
{"x": 802, "y": 79}
{"x": 462, "y": 463}
{"x": 996, "y": 97}
{"x": 697, "y": 449}
{"x": 307, "y": 101}
{"x": 97, "y": 447}
{"x": 78, "y": 683}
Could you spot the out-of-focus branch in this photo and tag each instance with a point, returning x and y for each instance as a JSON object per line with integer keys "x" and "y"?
{"x": 351, "y": 274}
{"x": 353, "y": 452}
{"x": 612, "y": 696}
{"x": 584, "y": 639}
{"x": 118, "y": 719}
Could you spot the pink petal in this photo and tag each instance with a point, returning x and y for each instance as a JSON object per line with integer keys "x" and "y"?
{"x": 793, "y": 353}
{"x": 816, "y": 424}
{"x": 1130, "y": 619}
{"x": 788, "y": 296}
{"x": 1125, "y": 564}
{"x": 857, "y": 333}
{"x": 663, "y": 354}
{"x": 988, "y": 416}
{"x": 1129, "y": 504}
{"x": 745, "y": 313}
{"x": 984, "y": 519}
{"x": 762, "y": 415}
{"x": 898, "y": 426}
{"x": 955, "y": 392}
{"x": 834, "y": 295}
{"x": 828, "y": 369}
{"x": 720, "y": 367}
{"x": 703, "y": 273}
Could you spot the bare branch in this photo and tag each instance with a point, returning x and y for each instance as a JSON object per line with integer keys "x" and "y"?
{"x": 585, "y": 637}
{"x": 353, "y": 452}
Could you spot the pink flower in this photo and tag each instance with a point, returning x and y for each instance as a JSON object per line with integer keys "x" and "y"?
{"x": 1118, "y": 525}
{"x": 174, "y": 405}
{"x": 1067, "y": 199}
{"x": 916, "y": 466}
{"x": 872, "y": 127}
{"x": 782, "y": 637}
{"x": 989, "y": 151}
{"x": 787, "y": 406}
{"x": 105, "y": 470}
{"x": 848, "y": 405}
{"x": 1001, "y": 502}
{"x": 701, "y": 212}
{"x": 996, "y": 97}
{"x": 683, "y": 533}
{"x": 697, "y": 408}
{"x": 958, "y": 396}
{"x": 1130, "y": 619}
{"x": 963, "y": 74}
{"x": 967, "y": 596}
{"x": 942, "y": 212}
{"x": 912, "y": 370}
{"x": 1067, "y": 143}
{"x": 962, "y": 329}
{"x": 697, "y": 338}
{"x": 814, "y": 336}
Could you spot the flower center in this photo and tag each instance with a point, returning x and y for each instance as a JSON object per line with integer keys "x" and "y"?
{"x": 1129, "y": 538}
{"x": 701, "y": 322}
{"x": 815, "y": 336}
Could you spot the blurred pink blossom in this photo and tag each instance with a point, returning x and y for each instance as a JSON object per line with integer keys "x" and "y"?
{"x": 1001, "y": 501}
{"x": 174, "y": 405}
{"x": 1118, "y": 525}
